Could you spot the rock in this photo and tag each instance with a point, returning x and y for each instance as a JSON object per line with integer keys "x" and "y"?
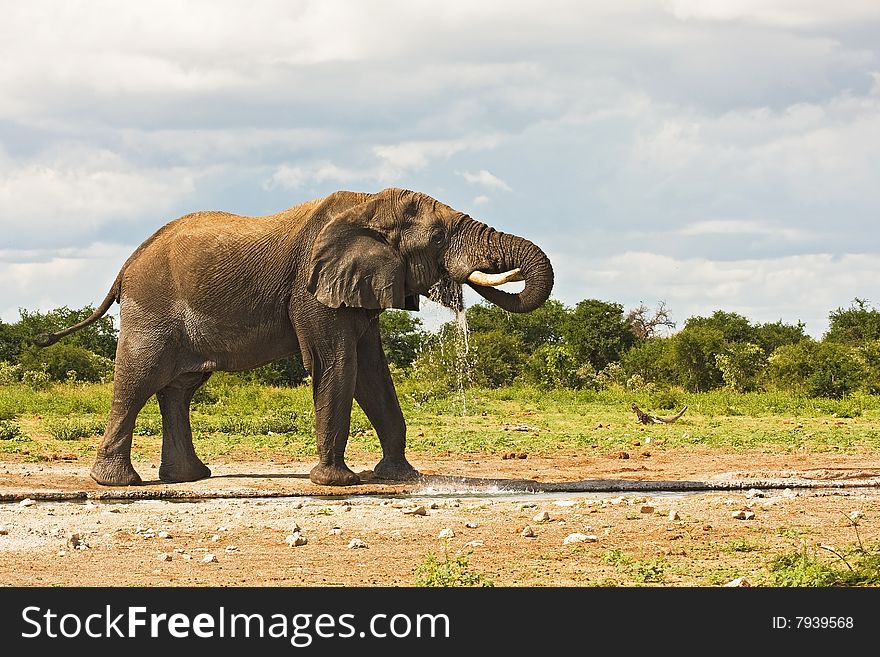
{"x": 62, "y": 553}
{"x": 743, "y": 515}
{"x": 673, "y": 515}
{"x": 527, "y": 505}
{"x": 186, "y": 557}
{"x": 209, "y": 558}
{"x": 564, "y": 503}
{"x": 528, "y": 532}
{"x": 215, "y": 537}
{"x": 26, "y": 502}
{"x": 231, "y": 548}
{"x": 646, "y": 508}
{"x": 163, "y": 535}
{"x": 356, "y": 543}
{"x": 577, "y": 537}
{"x": 336, "y": 531}
{"x": 474, "y": 544}
{"x": 164, "y": 556}
{"x": 852, "y": 515}
{"x": 416, "y": 511}
{"x": 294, "y": 527}
{"x": 76, "y": 542}
{"x": 446, "y": 533}
{"x": 738, "y": 582}
{"x": 296, "y": 539}
{"x": 3, "y": 531}
{"x": 754, "y": 492}
{"x": 543, "y": 516}
{"x": 471, "y": 525}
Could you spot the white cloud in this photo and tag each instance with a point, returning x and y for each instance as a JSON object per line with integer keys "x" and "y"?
{"x": 486, "y": 179}
{"x": 786, "y": 13}
{"x": 796, "y": 288}
{"x": 741, "y": 227}
{"x": 44, "y": 281}
{"x": 78, "y": 191}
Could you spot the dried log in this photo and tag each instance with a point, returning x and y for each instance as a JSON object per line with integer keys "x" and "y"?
{"x": 646, "y": 418}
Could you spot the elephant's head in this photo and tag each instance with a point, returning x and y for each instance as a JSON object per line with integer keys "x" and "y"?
{"x": 390, "y": 247}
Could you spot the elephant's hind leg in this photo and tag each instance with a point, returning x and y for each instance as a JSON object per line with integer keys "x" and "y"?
{"x": 112, "y": 466}
{"x": 179, "y": 460}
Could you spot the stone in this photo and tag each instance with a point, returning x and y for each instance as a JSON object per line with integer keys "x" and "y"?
{"x": 743, "y": 514}
{"x": 416, "y": 511}
{"x": 474, "y": 544}
{"x": 336, "y": 531}
{"x": 3, "y": 531}
{"x": 543, "y": 516}
{"x": 163, "y": 535}
{"x": 527, "y": 532}
{"x": 446, "y": 532}
{"x": 356, "y": 543}
{"x": 738, "y": 582}
{"x": 578, "y": 537}
{"x": 673, "y": 515}
{"x": 231, "y": 548}
{"x": 26, "y": 502}
{"x": 646, "y": 508}
{"x": 296, "y": 539}
{"x": 209, "y": 558}
{"x": 164, "y": 556}
{"x": 471, "y": 525}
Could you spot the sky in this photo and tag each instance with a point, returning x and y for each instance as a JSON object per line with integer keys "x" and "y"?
{"x": 706, "y": 154}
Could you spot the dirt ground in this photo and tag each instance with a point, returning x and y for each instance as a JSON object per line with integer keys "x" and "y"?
{"x": 664, "y": 518}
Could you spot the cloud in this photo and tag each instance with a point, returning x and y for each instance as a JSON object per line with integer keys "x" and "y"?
{"x": 486, "y": 179}
{"x": 78, "y": 191}
{"x": 791, "y": 289}
{"x": 735, "y": 227}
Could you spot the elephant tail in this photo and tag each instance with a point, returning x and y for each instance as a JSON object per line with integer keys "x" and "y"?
{"x": 46, "y": 339}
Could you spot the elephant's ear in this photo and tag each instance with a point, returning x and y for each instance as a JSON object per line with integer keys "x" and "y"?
{"x": 354, "y": 265}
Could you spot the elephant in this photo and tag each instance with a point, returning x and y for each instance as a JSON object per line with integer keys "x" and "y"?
{"x": 215, "y": 291}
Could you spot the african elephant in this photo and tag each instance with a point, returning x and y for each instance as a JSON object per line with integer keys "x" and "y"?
{"x": 217, "y": 291}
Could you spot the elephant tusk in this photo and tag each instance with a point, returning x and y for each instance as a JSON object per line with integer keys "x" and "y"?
{"x": 494, "y": 280}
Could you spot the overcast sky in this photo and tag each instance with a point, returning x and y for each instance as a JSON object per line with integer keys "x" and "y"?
{"x": 712, "y": 154}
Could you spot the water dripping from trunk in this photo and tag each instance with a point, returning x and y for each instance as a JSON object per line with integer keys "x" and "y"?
{"x": 449, "y": 294}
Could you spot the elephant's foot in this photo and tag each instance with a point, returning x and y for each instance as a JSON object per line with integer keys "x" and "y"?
{"x": 396, "y": 469}
{"x": 110, "y": 472}
{"x": 189, "y": 470}
{"x": 333, "y": 475}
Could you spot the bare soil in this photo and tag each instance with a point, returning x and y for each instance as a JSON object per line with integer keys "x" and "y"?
{"x": 670, "y": 513}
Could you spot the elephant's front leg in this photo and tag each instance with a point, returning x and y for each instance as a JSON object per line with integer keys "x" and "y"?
{"x": 377, "y": 397}
{"x": 333, "y": 381}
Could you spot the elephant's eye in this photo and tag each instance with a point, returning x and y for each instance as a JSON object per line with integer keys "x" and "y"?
{"x": 437, "y": 237}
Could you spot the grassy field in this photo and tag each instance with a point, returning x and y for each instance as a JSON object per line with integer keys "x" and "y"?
{"x": 249, "y": 421}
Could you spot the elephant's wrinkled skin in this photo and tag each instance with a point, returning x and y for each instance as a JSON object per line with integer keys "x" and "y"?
{"x": 216, "y": 291}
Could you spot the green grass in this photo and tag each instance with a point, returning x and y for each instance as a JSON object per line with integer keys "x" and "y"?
{"x": 855, "y": 566}
{"x": 448, "y": 572}
{"x": 234, "y": 418}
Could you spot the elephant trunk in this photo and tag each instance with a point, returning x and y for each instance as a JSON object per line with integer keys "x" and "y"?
{"x": 510, "y": 258}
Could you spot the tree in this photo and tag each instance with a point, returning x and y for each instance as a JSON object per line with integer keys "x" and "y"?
{"x": 646, "y": 323}
{"x": 854, "y": 325}
{"x": 598, "y": 333}
{"x": 770, "y": 336}
{"x": 694, "y": 349}
{"x": 733, "y": 326}
{"x": 545, "y": 325}
{"x": 651, "y": 361}
{"x": 99, "y": 338}
{"x": 402, "y": 337}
